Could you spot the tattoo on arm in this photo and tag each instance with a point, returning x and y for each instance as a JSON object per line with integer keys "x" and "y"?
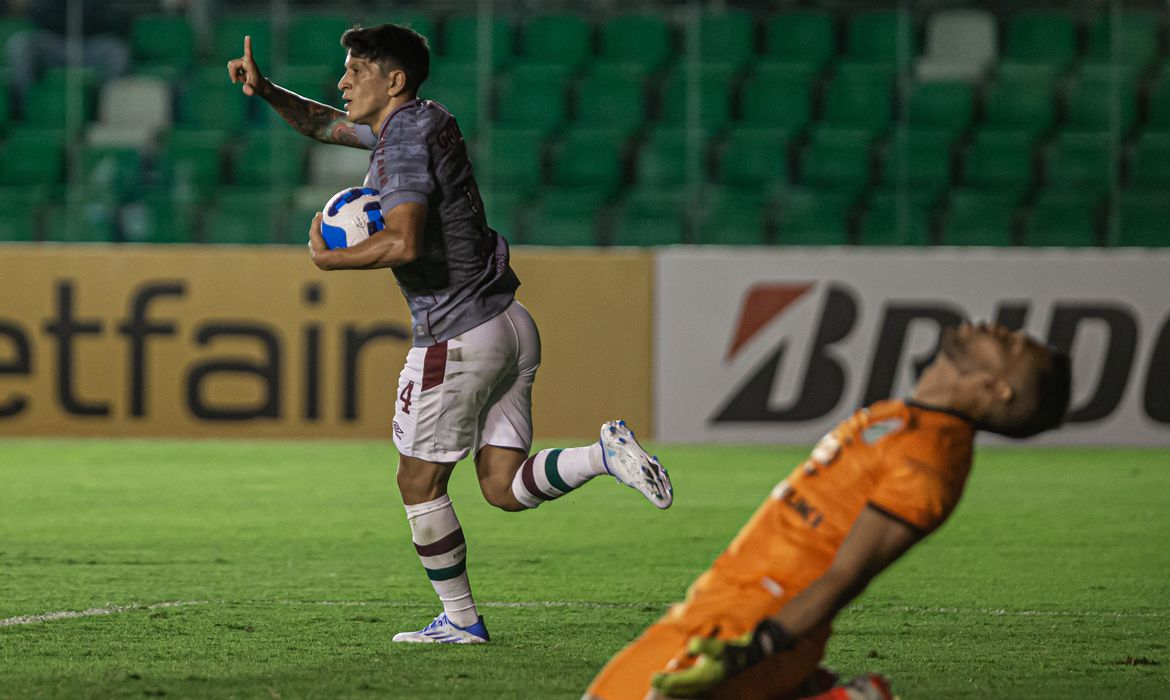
{"x": 310, "y": 118}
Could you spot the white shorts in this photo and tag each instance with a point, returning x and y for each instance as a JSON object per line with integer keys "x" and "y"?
{"x": 472, "y": 390}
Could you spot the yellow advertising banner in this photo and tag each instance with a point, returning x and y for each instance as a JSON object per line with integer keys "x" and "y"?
{"x": 199, "y": 341}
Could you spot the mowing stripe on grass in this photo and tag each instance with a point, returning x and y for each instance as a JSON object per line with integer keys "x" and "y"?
{"x": 94, "y": 612}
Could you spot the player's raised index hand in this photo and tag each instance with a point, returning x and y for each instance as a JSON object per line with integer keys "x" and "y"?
{"x": 244, "y": 70}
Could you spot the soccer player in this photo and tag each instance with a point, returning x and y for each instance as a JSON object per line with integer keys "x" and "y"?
{"x": 467, "y": 383}
{"x": 757, "y": 621}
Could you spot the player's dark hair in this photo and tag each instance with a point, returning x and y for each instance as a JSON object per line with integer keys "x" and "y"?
{"x": 1051, "y": 391}
{"x": 391, "y": 45}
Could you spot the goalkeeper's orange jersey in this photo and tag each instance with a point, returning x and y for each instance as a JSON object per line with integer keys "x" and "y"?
{"x": 905, "y": 460}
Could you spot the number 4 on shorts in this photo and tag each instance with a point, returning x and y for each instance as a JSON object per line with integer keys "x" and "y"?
{"x": 404, "y": 397}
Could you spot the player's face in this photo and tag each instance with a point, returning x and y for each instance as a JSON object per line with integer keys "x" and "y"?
{"x": 365, "y": 89}
{"x": 991, "y": 349}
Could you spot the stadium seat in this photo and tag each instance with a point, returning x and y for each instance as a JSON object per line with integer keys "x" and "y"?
{"x": 502, "y": 205}
{"x": 978, "y": 218}
{"x": 228, "y": 41}
{"x": 754, "y": 159}
{"x": 510, "y": 158}
{"x": 207, "y": 105}
{"x": 777, "y": 97}
{"x": 21, "y": 209}
{"x": 131, "y": 112}
{"x": 86, "y": 216}
{"x": 960, "y": 45}
{"x": 113, "y": 170}
{"x": 880, "y": 36}
{"x": 1062, "y": 219}
{"x": 999, "y": 160}
{"x": 947, "y": 106}
{"x": 533, "y": 96}
{"x": 1020, "y": 101}
{"x": 896, "y": 218}
{"x": 917, "y": 158}
{"x": 671, "y": 158}
{"x": 555, "y": 39}
{"x": 589, "y": 159}
{"x": 805, "y": 37}
{"x": 316, "y": 82}
{"x": 1149, "y": 164}
{"x": 420, "y": 22}
{"x": 711, "y": 95}
{"x": 651, "y": 217}
{"x": 461, "y": 39}
{"x": 643, "y": 39}
{"x": 314, "y": 39}
{"x": 836, "y": 158}
{"x": 725, "y": 37}
{"x": 11, "y": 24}
{"x": 732, "y": 217}
{"x": 563, "y": 217}
{"x": 1158, "y": 104}
{"x": 249, "y": 215}
{"x": 336, "y": 168}
{"x": 617, "y": 103}
{"x": 191, "y": 159}
{"x": 1082, "y": 160}
{"x": 1044, "y": 36}
{"x": 1128, "y": 37}
{"x": 272, "y": 157}
{"x": 159, "y": 217}
{"x": 32, "y": 157}
{"x": 163, "y": 40}
{"x": 1142, "y": 220}
{"x": 814, "y": 217}
{"x": 1102, "y": 97}
{"x": 49, "y": 104}
{"x": 859, "y": 97}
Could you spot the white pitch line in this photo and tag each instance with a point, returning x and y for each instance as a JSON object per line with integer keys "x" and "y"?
{"x": 1003, "y": 612}
{"x": 94, "y": 612}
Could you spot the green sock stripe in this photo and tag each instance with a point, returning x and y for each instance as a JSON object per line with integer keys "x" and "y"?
{"x": 550, "y": 471}
{"x": 448, "y": 573}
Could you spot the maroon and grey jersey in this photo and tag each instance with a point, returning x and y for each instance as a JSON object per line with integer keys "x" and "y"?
{"x": 461, "y": 277}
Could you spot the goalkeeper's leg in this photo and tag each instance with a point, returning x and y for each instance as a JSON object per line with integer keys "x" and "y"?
{"x": 782, "y": 676}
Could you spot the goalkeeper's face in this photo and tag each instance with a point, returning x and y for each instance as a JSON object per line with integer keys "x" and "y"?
{"x": 367, "y": 89}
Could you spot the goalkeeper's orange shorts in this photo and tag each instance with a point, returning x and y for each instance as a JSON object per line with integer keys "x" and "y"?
{"x": 727, "y": 611}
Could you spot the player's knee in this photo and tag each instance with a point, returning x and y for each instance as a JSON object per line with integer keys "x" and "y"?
{"x": 499, "y": 494}
{"x": 419, "y": 483}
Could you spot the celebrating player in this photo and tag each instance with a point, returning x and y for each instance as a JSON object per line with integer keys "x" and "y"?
{"x": 757, "y": 621}
{"x": 467, "y": 383}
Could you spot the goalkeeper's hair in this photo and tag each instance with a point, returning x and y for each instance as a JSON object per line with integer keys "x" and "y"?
{"x": 1041, "y": 404}
{"x": 391, "y": 46}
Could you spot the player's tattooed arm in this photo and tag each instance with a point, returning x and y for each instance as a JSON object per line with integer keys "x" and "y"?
{"x": 313, "y": 119}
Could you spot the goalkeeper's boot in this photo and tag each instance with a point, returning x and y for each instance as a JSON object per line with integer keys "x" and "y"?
{"x": 868, "y": 687}
{"x": 631, "y": 465}
{"x": 443, "y": 631}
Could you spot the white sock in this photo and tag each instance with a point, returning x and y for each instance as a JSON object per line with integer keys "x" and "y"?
{"x": 550, "y": 474}
{"x": 438, "y": 539}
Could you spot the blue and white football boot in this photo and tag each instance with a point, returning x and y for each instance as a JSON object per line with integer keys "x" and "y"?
{"x": 631, "y": 465}
{"x": 443, "y": 631}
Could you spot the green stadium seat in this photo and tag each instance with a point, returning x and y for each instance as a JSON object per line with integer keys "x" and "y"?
{"x": 87, "y": 216}
{"x": 192, "y": 159}
{"x": 555, "y": 39}
{"x": 814, "y": 217}
{"x": 1149, "y": 164}
{"x": 712, "y": 96}
{"x": 461, "y": 39}
{"x": 1020, "y": 101}
{"x": 33, "y": 157}
{"x": 1142, "y": 220}
{"x": 979, "y": 218}
{"x": 1158, "y": 103}
{"x": 208, "y": 105}
{"x": 564, "y": 217}
{"x": 9, "y": 25}
{"x": 917, "y": 158}
{"x": 777, "y": 98}
{"x": 510, "y": 158}
{"x": 502, "y": 206}
{"x": 112, "y": 169}
{"x": 228, "y": 41}
{"x": 1102, "y": 97}
{"x": 5, "y": 107}
{"x": 732, "y": 217}
{"x": 465, "y": 106}
{"x": 163, "y": 40}
{"x": 316, "y": 82}
{"x": 670, "y": 157}
{"x": 880, "y": 36}
{"x": 273, "y": 157}
{"x": 533, "y": 96}
{"x": 726, "y": 37}
{"x": 21, "y": 209}
{"x": 249, "y": 215}
{"x": 161, "y": 217}
{"x": 1062, "y": 219}
{"x": 859, "y": 97}
{"x": 644, "y": 39}
{"x": 420, "y": 22}
{"x": 1129, "y": 37}
{"x": 651, "y": 217}
{"x": 837, "y": 158}
{"x": 1082, "y": 159}
{"x": 602, "y": 100}
{"x": 315, "y": 39}
{"x": 754, "y": 159}
{"x": 896, "y": 218}
{"x": 455, "y": 84}
{"x": 1041, "y": 36}
{"x": 999, "y": 159}
{"x": 589, "y": 159}
{"x": 48, "y": 102}
{"x": 948, "y": 106}
{"x": 800, "y": 37}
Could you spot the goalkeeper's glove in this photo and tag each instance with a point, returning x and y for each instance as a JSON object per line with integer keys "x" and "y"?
{"x": 720, "y": 659}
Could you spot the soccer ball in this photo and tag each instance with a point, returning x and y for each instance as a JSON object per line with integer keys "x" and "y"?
{"x": 351, "y": 216}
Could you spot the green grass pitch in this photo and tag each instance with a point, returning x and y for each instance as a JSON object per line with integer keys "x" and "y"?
{"x": 288, "y": 566}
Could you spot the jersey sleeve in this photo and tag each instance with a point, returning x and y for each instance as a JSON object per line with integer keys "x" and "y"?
{"x": 913, "y": 492}
{"x": 402, "y": 165}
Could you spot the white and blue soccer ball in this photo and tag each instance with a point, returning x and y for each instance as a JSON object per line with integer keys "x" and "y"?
{"x": 351, "y": 216}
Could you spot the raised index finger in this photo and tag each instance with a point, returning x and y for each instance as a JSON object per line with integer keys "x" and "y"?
{"x": 248, "y": 47}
